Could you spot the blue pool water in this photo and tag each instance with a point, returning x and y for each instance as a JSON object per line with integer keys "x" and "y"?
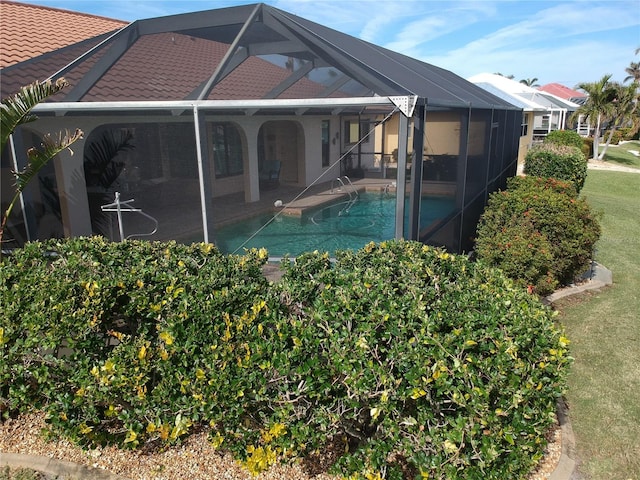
{"x": 329, "y": 228}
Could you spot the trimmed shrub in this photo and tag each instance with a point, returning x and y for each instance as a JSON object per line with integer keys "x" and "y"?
{"x": 569, "y": 138}
{"x": 620, "y": 134}
{"x": 545, "y": 215}
{"x": 88, "y": 325}
{"x": 407, "y": 359}
{"x": 561, "y": 162}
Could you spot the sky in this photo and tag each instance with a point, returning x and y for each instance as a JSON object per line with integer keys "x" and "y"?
{"x": 567, "y": 42}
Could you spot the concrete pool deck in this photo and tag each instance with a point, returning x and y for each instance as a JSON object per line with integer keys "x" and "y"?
{"x": 296, "y": 200}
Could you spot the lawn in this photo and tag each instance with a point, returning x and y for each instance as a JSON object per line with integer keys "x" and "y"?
{"x": 604, "y": 328}
{"x": 622, "y": 154}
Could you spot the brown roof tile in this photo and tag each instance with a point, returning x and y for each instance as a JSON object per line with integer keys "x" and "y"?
{"x": 28, "y": 31}
{"x": 162, "y": 66}
{"x": 169, "y": 66}
{"x": 24, "y": 73}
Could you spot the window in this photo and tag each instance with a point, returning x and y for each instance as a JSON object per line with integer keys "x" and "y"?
{"x": 326, "y": 134}
{"x": 524, "y": 128}
{"x": 227, "y": 150}
{"x": 356, "y": 130}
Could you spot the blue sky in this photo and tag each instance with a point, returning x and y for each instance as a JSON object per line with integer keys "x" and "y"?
{"x": 555, "y": 41}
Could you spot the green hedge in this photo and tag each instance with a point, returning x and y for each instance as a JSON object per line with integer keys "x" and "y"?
{"x": 569, "y": 138}
{"x": 538, "y": 233}
{"x": 410, "y": 360}
{"x": 561, "y": 162}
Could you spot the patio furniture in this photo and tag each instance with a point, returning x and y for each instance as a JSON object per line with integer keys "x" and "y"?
{"x": 270, "y": 175}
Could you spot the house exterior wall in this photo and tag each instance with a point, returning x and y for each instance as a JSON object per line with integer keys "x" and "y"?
{"x": 526, "y": 140}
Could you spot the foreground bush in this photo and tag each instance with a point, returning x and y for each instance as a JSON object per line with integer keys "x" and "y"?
{"x": 538, "y": 233}
{"x": 410, "y": 360}
{"x": 562, "y": 162}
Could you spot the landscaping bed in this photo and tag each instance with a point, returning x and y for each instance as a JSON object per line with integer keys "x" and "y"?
{"x": 404, "y": 358}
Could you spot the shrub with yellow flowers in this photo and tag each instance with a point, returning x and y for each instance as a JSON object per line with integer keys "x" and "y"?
{"x": 416, "y": 362}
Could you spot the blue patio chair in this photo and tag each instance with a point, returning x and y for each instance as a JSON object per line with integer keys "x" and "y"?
{"x": 270, "y": 175}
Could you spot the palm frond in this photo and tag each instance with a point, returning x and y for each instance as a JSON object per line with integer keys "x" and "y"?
{"x": 38, "y": 157}
{"x": 100, "y": 166}
{"x": 16, "y": 110}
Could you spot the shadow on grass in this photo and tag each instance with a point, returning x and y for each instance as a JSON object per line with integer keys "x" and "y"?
{"x": 622, "y": 154}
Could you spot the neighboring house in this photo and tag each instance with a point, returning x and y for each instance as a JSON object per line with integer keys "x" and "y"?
{"x": 544, "y": 111}
{"x": 211, "y": 102}
{"x": 564, "y": 92}
{"x": 574, "y": 96}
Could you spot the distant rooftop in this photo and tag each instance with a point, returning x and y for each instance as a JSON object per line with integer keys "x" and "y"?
{"x": 28, "y": 31}
{"x": 561, "y": 91}
{"x": 527, "y": 96}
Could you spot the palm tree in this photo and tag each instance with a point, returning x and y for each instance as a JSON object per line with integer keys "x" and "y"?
{"x": 16, "y": 111}
{"x": 622, "y": 110}
{"x": 634, "y": 72}
{"x": 530, "y": 82}
{"x": 598, "y": 105}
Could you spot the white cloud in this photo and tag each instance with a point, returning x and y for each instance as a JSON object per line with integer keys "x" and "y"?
{"x": 567, "y": 65}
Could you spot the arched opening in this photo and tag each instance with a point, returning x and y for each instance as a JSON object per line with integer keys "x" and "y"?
{"x": 281, "y": 145}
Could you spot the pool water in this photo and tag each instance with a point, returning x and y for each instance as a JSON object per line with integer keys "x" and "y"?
{"x": 334, "y": 227}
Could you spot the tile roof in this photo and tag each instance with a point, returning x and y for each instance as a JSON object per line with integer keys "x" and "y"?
{"x": 28, "y": 31}
{"x": 162, "y": 66}
{"x": 561, "y": 91}
{"x": 16, "y": 76}
{"x": 169, "y": 66}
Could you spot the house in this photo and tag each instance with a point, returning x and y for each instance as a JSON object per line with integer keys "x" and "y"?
{"x": 574, "y": 96}
{"x": 187, "y": 113}
{"x": 564, "y": 92}
{"x": 544, "y": 112}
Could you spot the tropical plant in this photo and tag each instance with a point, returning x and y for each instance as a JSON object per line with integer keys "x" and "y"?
{"x": 634, "y": 72}
{"x": 623, "y": 111}
{"x": 102, "y": 167}
{"x": 16, "y": 111}
{"x": 530, "y": 82}
{"x": 597, "y": 108}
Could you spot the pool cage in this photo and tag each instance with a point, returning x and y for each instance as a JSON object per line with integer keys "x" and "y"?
{"x": 245, "y": 126}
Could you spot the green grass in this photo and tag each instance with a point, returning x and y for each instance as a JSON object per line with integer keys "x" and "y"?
{"x": 620, "y": 154}
{"x": 604, "y": 327}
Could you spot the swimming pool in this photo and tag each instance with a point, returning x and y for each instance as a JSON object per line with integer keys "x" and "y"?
{"x": 334, "y": 227}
